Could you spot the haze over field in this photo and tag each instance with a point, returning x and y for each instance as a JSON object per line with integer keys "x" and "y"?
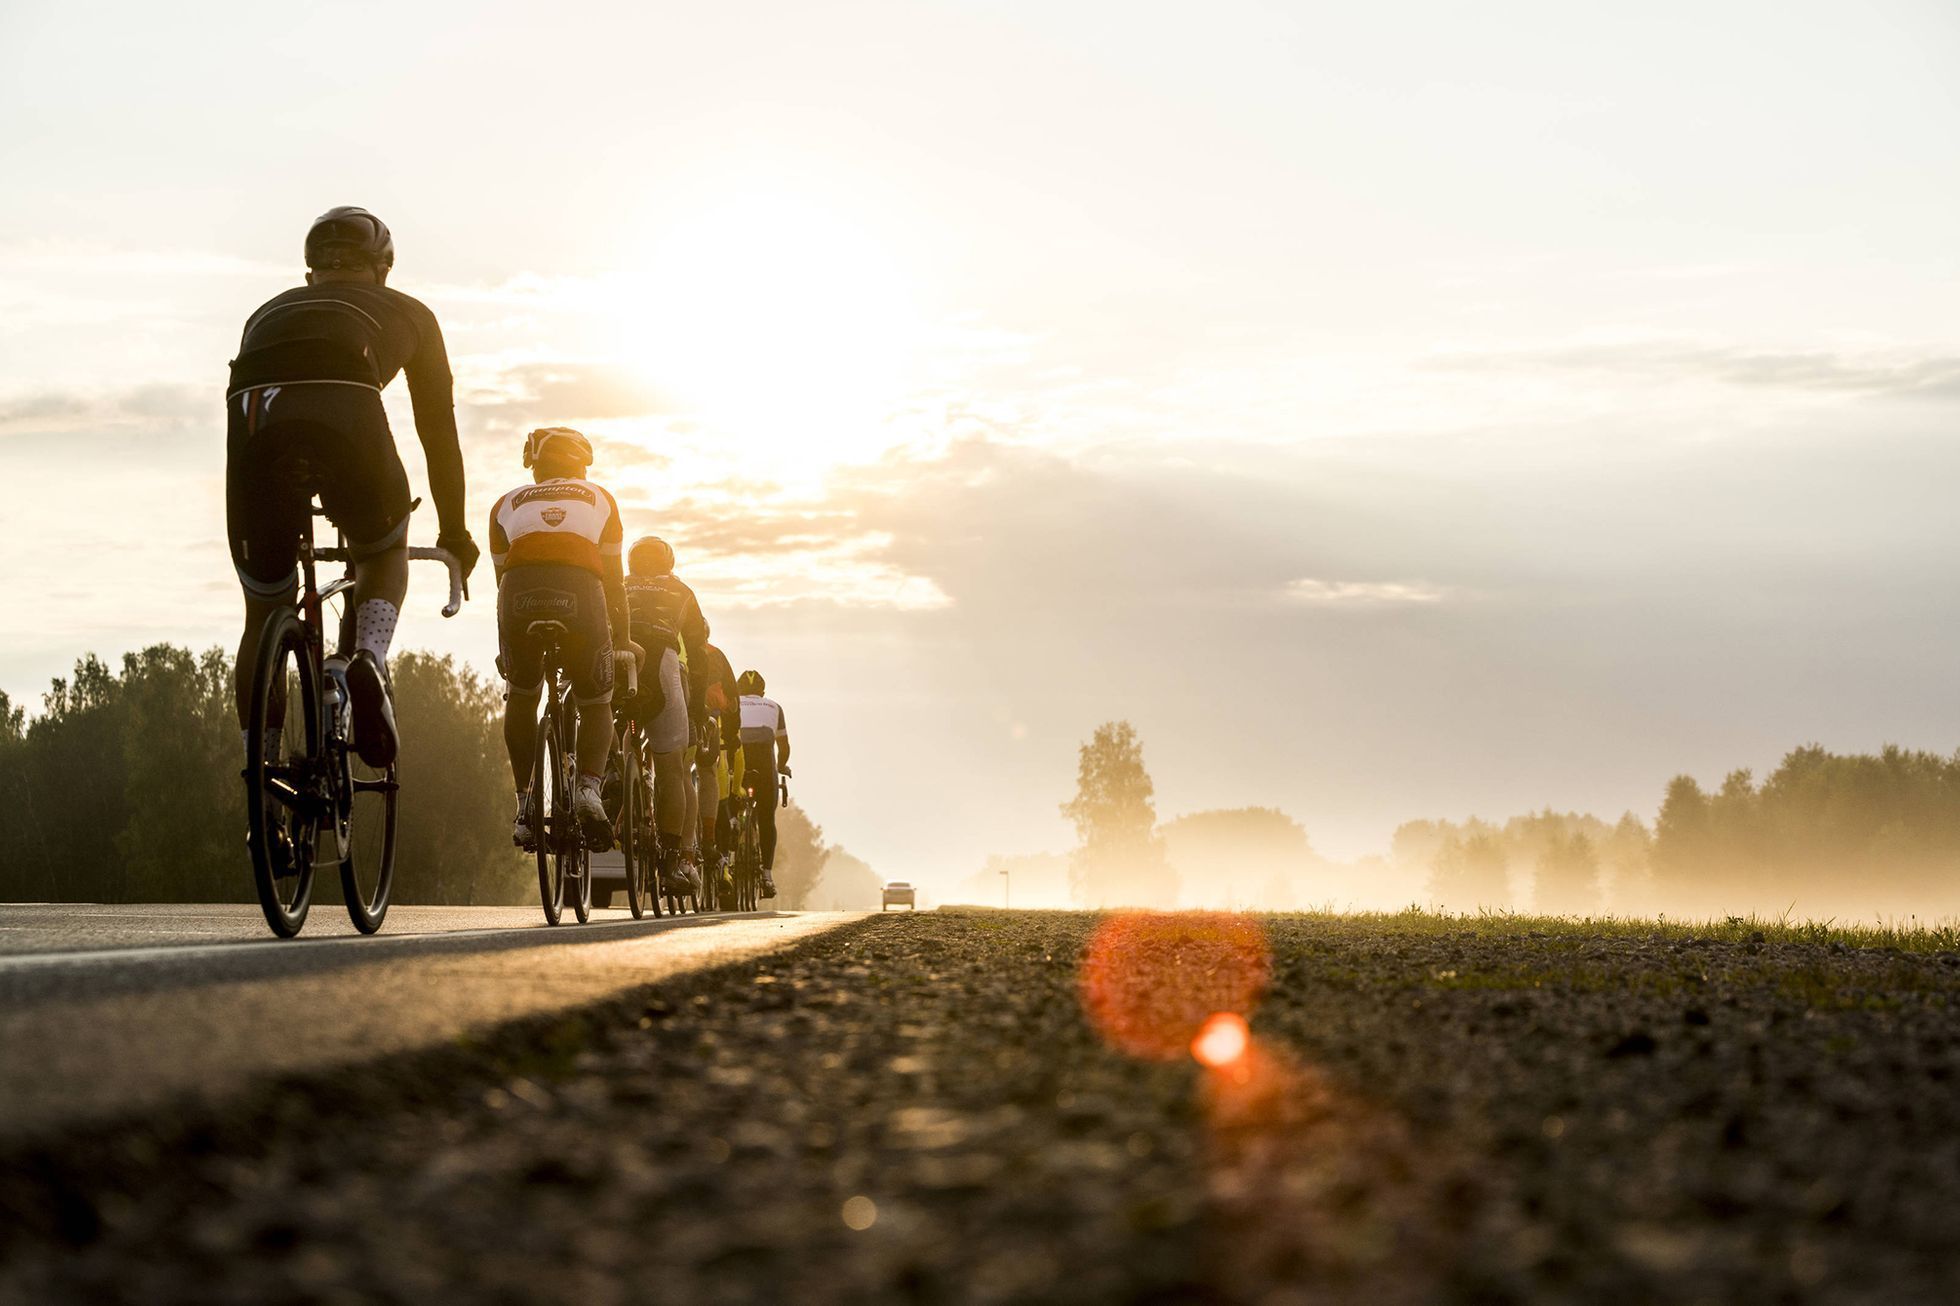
{"x": 1395, "y": 411}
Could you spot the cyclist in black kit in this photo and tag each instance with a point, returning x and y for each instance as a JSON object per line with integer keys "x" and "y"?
{"x": 304, "y": 413}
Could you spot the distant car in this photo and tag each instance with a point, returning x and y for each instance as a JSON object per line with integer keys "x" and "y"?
{"x": 898, "y": 892}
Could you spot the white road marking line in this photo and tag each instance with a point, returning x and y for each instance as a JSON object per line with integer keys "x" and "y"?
{"x": 94, "y": 956}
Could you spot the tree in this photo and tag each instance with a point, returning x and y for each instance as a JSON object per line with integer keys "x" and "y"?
{"x": 799, "y": 857}
{"x": 845, "y": 883}
{"x": 1119, "y": 858}
{"x": 1472, "y": 870}
{"x": 1241, "y": 857}
{"x": 1568, "y": 875}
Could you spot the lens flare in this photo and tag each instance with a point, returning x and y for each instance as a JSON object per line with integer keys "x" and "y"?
{"x": 1153, "y": 981}
{"x": 1222, "y": 1041}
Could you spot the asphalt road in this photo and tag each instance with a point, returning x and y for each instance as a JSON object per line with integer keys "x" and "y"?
{"x": 110, "y": 1010}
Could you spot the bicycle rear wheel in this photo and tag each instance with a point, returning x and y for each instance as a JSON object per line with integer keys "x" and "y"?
{"x": 368, "y": 872}
{"x": 284, "y": 795}
{"x": 631, "y": 851}
{"x": 551, "y": 809}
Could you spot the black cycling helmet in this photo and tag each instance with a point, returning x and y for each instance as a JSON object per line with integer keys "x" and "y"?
{"x": 349, "y": 237}
{"x": 749, "y": 682}
{"x": 650, "y": 557}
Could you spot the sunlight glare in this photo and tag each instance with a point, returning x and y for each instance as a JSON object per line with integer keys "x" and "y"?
{"x": 783, "y": 325}
{"x": 1222, "y": 1041}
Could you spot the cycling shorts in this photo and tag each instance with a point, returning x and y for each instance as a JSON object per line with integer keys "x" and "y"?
{"x": 283, "y": 443}
{"x": 661, "y": 708}
{"x": 575, "y": 598}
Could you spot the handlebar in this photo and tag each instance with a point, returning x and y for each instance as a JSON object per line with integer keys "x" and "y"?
{"x": 458, "y": 587}
{"x": 458, "y": 591}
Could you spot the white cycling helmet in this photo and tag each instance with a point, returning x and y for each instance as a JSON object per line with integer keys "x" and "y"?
{"x": 563, "y": 439}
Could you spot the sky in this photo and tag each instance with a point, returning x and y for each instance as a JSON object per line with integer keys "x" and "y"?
{"x": 1394, "y": 410}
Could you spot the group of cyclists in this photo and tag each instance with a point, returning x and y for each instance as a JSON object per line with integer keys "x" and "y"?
{"x": 305, "y": 417}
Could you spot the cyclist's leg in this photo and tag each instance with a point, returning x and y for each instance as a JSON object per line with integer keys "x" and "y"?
{"x": 364, "y": 491}
{"x": 667, "y": 737}
{"x": 763, "y": 780}
{"x": 265, "y": 511}
{"x": 521, "y": 659}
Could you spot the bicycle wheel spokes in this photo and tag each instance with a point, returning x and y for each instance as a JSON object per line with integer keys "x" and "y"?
{"x": 368, "y": 873}
{"x": 284, "y": 795}
{"x": 548, "y": 811}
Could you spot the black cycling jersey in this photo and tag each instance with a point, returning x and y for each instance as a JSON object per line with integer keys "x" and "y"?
{"x": 665, "y": 609}
{"x": 360, "y": 333}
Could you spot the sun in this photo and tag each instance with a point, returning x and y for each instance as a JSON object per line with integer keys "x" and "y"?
{"x": 776, "y": 322}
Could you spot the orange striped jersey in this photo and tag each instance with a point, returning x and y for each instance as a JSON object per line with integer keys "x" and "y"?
{"x": 556, "y": 521}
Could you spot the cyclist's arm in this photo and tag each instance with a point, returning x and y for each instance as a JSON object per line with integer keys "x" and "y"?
{"x": 613, "y": 572}
{"x": 499, "y": 542}
{"x": 694, "y": 628}
{"x": 782, "y": 740}
{"x": 431, "y": 392}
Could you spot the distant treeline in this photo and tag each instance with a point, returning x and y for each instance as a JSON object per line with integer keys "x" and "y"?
{"x": 1825, "y": 834}
{"x": 125, "y": 788}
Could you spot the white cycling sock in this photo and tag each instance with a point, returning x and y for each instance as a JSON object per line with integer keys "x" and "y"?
{"x": 374, "y": 628}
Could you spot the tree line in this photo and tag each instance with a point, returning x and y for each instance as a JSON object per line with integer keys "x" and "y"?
{"x": 125, "y": 787}
{"x": 1824, "y": 834}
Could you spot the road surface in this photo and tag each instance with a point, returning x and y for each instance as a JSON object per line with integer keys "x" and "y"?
{"x": 1012, "y": 1107}
{"x": 107, "y": 1010}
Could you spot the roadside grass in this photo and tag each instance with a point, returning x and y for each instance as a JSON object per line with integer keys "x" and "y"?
{"x": 1910, "y": 935}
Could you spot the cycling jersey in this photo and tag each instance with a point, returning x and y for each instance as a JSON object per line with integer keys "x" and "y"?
{"x": 665, "y": 609}
{"x": 720, "y": 698}
{"x": 763, "y": 722}
{"x": 357, "y": 333}
{"x": 303, "y": 415}
{"x": 559, "y": 521}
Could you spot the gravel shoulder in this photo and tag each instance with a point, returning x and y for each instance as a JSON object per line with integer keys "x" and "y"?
{"x": 923, "y": 1108}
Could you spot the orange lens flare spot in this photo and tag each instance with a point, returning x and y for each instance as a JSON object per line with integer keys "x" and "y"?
{"x": 1222, "y": 1041}
{"x": 1153, "y": 982}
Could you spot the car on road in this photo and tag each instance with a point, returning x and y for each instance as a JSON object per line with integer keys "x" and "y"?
{"x": 900, "y": 893}
{"x": 608, "y": 879}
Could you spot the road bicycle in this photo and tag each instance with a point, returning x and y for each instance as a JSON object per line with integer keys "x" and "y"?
{"x": 318, "y": 804}
{"x": 637, "y": 836}
{"x": 561, "y": 845}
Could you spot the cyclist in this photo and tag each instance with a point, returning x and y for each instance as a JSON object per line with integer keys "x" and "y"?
{"x": 715, "y": 700}
{"x": 765, "y": 744}
{"x": 555, "y": 546}
{"x": 667, "y": 620}
{"x": 303, "y": 413}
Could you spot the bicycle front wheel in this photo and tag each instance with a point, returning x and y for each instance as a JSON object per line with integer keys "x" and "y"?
{"x": 286, "y": 796}
{"x": 368, "y": 872}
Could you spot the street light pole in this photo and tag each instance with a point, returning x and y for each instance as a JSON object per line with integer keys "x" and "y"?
{"x": 1006, "y": 891}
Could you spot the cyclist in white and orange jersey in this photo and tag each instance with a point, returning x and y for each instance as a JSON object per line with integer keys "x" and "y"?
{"x": 556, "y": 547}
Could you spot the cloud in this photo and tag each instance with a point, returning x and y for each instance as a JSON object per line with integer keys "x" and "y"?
{"x": 1931, "y": 374}
{"x": 568, "y": 391}
{"x": 42, "y": 412}
{"x": 1360, "y": 594}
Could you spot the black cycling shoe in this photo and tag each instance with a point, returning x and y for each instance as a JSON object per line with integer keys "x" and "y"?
{"x": 768, "y": 889}
{"x": 374, "y": 715}
{"x": 673, "y": 880}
